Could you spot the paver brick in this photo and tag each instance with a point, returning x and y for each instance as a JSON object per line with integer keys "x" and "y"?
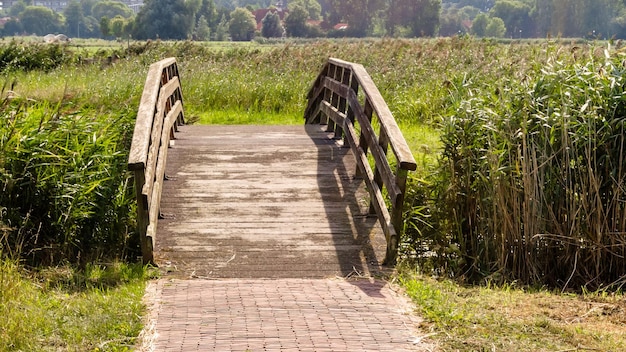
{"x": 261, "y": 315}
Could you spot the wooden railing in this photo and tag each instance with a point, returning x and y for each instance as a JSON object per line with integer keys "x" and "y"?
{"x": 334, "y": 99}
{"x": 160, "y": 113}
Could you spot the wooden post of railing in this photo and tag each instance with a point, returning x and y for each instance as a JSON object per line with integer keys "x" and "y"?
{"x": 159, "y": 114}
{"x": 334, "y": 94}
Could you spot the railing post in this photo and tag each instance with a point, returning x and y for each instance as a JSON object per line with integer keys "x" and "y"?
{"x": 143, "y": 218}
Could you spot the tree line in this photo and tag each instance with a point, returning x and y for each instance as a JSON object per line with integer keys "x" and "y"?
{"x": 234, "y": 19}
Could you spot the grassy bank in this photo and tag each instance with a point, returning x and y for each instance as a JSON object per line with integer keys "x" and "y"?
{"x": 512, "y": 318}
{"x": 58, "y": 308}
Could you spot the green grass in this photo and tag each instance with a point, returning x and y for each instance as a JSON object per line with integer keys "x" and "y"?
{"x": 98, "y": 308}
{"x": 509, "y": 318}
{"x": 234, "y": 117}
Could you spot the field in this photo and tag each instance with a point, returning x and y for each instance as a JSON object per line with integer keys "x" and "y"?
{"x": 464, "y": 106}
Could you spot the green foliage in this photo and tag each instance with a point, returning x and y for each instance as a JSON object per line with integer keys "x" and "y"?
{"x": 111, "y": 9}
{"x": 242, "y": 25}
{"x": 312, "y": 7}
{"x": 164, "y": 19}
{"x": 495, "y": 28}
{"x": 516, "y": 17}
{"x": 421, "y": 16}
{"x": 98, "y": 308}
{"x": 27, "y": 57}
{"x": 271, "y": 26}
{"x": 507, "y": 317}
{"x": 529, "y": 181}
{"x": 295, "y": 22}
{"x": 73, "y": 17}
{"x": 66, "y": 191}
{"x": 203, "y": 31}
{"x": 41, "y": 20}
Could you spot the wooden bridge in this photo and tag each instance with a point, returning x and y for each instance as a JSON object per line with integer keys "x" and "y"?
{"x": 271, "y": 202}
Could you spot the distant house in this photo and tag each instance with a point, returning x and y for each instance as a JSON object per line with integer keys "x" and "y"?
{"x": 340, "y": 26}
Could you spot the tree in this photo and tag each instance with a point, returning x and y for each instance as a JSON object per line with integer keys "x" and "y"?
{"x": 221, "y": 31}
{"x": 87, "y": 6}
{"x": 271, "y": 25}
{"x": 209, "y": 12}
{"x": 41, "y": 20}
{"x": 495, "y": 28}
{"x": 516, "y": 17}
{"x": 203, "y": 31}
{"x": 479, "y": 26}
{"x": 16, "y": 9}
{"x": 111, "y": 9}
{"x": 73, "y": 18}
{"x": 542, "y": 16}
{"x": 426, "y": 19}
{"x": 118, "y": 26}
{"x": 421, "y": 16}
{"x": 313, "y": 7}
{"x": 105, "y": 27}
{"x": 242, "y": 25}
{"x": 165, "y": 19}
{"x": 358, "y": 14}
{"x": 12, "y": 27}
{"x": 295, "y": 22}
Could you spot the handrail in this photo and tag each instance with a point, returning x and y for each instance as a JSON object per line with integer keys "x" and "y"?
{"x": 158, "y": 117}
{"x": 334, "y": 99}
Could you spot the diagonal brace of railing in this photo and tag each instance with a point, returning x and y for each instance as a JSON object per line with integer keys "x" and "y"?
{"x": 334, "y": 100}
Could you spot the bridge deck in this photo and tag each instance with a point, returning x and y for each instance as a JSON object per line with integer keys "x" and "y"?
{"x": 265, "y": 202}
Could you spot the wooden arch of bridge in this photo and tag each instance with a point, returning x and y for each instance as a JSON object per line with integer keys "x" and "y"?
{"x": 254, "y": 184}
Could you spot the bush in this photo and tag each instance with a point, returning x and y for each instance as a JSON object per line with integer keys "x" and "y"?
{"x": 28, "y": 57}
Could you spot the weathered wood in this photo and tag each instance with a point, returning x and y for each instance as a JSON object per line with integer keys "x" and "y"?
{"x": 380, "y": 157}
{"x": 265, "y": 201}
{"x": 340, "y": 105}
{"x": 145, "y": 115}
{"x": 388, "y": 123}
{"x": 377, "y": 200}
{"x": 160, "y": 111}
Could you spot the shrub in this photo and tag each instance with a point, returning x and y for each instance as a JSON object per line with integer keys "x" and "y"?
{"x": 29, "y": 57}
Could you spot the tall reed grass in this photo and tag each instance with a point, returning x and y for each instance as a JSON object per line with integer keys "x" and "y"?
{"x": 530, "y": 185}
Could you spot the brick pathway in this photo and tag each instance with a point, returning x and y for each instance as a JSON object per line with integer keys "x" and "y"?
{"x": 279, "y": 315}
{"x": 260, "y": 218}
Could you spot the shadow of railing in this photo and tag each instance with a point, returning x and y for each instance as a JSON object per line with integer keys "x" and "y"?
{"x": 352, "y": 227}
{"x": 345, "y": 98}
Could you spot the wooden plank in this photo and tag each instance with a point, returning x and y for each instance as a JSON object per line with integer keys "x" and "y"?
{"x": 166, "y": 92}
{"x": 332, "y": 112}
{"x": 380, "y": 157}
{"x": 243, "y": 198}
{"x": 398, "y": 143}
{"x": 377, "y": 197}
{"x": 143, "y": 126}
{"x": 160, "y": 169}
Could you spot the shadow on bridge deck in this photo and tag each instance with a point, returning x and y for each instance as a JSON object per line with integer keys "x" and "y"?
{"x": 265, "y": 202}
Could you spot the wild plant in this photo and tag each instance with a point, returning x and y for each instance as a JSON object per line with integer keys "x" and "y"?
{"x": 530, "y": 183}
